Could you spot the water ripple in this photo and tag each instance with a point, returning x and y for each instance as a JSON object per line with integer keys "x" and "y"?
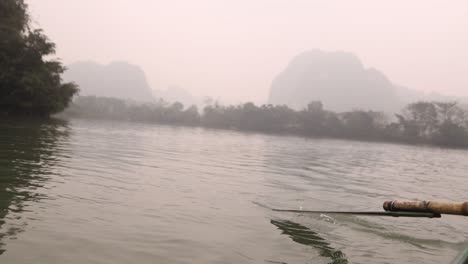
{"x": 104, "y": 192}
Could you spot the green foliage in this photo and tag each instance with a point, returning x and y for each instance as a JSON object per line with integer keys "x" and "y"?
{"x": 451, "y": 134}
{"x": 362, "y": 124}
{"x": 423, "y": 116}
{"x": 439, "y": 123}
{"x": 29, "y": 84}
{"x": 116, "y": 109}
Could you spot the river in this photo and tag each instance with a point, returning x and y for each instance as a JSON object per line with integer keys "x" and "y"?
{"x": 83, "y": 191}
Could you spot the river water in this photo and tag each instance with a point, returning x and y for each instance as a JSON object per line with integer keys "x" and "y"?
{"x": 103, "y": 192}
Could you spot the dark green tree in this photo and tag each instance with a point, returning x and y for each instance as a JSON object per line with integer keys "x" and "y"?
{"x": 421, "y": 117}
{"x": 29, "y": 84}
{"x": 436, "y": 123}
{"x": 362, "y": 124}
{"x": 313, "y": 118}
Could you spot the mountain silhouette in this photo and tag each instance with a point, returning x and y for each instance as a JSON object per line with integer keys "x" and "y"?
{"x": 117, "y": 79}
{"x": 338, "y": 79}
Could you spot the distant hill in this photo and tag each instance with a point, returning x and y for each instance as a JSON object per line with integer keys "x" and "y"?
{"x": 117, "y": 79}
{"x": 338, "y": 79}
{"x": 408, "y": 96}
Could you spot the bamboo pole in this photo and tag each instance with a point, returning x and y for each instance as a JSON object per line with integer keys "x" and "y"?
{"x": 454, "y": 208}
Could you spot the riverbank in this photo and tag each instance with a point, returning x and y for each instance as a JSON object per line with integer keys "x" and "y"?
{"x": 430, "y": 123}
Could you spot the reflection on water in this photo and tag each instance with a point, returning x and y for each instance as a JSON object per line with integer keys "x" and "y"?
{"x": 28, "y": 152}
{"x": 306, "y": 236}
{"x": 105, "y": 192}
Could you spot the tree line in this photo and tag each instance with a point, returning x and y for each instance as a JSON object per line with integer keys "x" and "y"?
{"x": 30, "y": 84}
{"x": 437, "y": 123}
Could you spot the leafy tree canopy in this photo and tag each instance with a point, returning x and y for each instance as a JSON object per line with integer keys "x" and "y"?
{"x": 29, "y": 84}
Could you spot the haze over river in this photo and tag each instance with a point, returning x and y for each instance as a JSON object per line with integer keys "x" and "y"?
{"x": 102, "y": 192}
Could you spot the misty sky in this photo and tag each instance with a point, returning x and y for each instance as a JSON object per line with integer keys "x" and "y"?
{"x": 233, "y": 49}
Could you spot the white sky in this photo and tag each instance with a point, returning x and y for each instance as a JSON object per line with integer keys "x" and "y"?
{"x": 233, "y": 49}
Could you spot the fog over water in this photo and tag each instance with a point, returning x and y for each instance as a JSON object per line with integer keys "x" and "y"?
{"x": 234, "y": 49}
{"x": 216, "y": 131}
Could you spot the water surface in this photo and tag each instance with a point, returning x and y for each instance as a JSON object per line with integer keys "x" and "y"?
{"x": 102, "y": 192}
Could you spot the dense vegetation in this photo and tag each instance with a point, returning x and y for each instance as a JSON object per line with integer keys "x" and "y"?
{"x": 439, "y": 123}
{"x": 29, "y": 84}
